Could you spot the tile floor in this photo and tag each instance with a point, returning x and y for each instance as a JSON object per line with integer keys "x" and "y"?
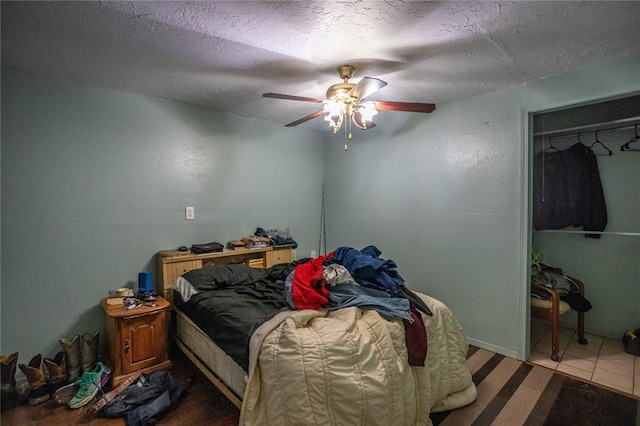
{"x": 601, "y": 360}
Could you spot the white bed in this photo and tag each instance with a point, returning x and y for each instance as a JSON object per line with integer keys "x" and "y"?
{"x": 341, "y": 367}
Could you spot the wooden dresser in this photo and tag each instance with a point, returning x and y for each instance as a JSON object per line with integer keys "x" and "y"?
{"x": 136, "y": 339}
{"x": 173, "y": 263}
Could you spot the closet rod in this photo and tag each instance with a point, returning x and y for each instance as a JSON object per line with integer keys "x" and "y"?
{"x": 559, "y": 231}
{"x": 615, "y": 125}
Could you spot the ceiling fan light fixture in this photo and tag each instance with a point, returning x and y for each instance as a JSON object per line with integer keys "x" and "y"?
{"x": 334, "y": 114}
{"x": 348, "y": 100}
{"x": 363, "y": 115}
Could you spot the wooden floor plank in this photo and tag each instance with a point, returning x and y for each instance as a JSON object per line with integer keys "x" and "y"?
{"x": 202, "y": 403}
{"x": 498, "y": 403}
{"x": 534, "y": 402}
{"x": 517, "y": 410}
{"x": 487, "y": 390}
{"x": 478, "y": 359}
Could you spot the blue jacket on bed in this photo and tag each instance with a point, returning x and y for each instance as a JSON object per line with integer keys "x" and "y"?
{"x": 368, "y": 269}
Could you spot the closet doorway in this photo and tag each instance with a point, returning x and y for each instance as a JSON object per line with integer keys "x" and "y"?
{"x": 606, "y": 260}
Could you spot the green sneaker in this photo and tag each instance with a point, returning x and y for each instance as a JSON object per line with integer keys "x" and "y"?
{"x": 90, "y": 383}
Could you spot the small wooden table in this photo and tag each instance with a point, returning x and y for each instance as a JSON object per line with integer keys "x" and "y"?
{"x": 136, "y": 339}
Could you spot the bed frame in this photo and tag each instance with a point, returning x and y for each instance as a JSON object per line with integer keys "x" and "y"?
{"x": 209, "y": 358}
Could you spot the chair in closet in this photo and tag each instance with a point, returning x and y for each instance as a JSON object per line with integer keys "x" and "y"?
{"x": 550, "y": 310}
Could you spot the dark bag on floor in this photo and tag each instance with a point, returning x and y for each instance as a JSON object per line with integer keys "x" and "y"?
{"x": 144, "y": 401}
{"x": 631, "y": 340}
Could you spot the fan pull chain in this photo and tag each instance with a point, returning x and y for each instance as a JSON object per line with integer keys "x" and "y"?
{"x": 349, "y": 137}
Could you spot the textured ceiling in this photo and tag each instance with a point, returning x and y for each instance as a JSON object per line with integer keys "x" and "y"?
{"x": 224, "y": 55}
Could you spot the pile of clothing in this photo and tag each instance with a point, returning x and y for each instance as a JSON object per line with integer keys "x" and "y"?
{"x": 350, "y": 277}
{"x": 253, "y": 242}
{"x": 277, "y": 236}
{"x": 566, "y": 288}
{"x": 141, "y": 399}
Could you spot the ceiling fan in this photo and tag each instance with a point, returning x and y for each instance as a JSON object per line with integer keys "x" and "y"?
{"x": 349, "y": 100}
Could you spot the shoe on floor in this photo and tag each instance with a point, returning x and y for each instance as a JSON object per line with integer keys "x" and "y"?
{"x": 631, "y": 340}
{"x": 37, "y": 379}
{"x": 64, "y": 394}
{"x": 89, "y": 384}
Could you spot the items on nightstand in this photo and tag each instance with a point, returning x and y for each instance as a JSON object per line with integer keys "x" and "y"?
{"x": 121, "y": 292}
{"x": 145, "y": 282}
{"x": 115, "y": 302}
{"x": 141, "y": 299}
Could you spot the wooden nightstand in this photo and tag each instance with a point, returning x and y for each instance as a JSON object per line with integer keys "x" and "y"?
{"x": 136, "y": 339}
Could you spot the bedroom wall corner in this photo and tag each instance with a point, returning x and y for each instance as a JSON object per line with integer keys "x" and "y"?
{"x": 95, "y": 182}
{"x": 444, "y": 196}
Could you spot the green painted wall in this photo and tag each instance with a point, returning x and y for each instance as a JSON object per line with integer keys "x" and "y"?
{"x": 446, "y": 196}
{"x": 95, "y": 182}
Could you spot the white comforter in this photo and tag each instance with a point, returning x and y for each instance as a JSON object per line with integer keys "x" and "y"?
{"x": 349, "y": 367}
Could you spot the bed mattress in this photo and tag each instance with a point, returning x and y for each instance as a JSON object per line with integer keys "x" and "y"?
{"x": 345, "y": 366}
{"x": 210, "y": 354}
{"x": 231, "y": 303}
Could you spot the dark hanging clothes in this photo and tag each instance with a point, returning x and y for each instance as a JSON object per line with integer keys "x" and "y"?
{"x": 567, "y": 190}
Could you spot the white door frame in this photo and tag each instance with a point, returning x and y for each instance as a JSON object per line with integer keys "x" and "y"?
{"x": 526, "y": 213}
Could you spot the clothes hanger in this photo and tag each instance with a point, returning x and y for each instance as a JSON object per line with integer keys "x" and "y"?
{"x": 550, "y": 148}
{"x": 636, "y": 138}
{"x": 601, "y": 144}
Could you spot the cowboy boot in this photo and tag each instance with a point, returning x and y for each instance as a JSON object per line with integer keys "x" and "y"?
{"x": 57, "y": 372}
{"x": 38, "y": 391}
{"x": 89, "y": 346}
{"x": 71, "y": 349}
{"x": 8, "y": 395}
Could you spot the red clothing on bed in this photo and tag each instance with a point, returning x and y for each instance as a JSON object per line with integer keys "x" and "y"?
{"x": 308, "y": 290}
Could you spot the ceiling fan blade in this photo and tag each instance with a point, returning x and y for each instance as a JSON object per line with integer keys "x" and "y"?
{"x": 292, "y": 98}
{"x": 404, "y": 106}
{"x": 366, "y": 87}
{"x": 304, "y": 119}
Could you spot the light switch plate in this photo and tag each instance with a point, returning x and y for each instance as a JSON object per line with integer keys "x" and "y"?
{"x": 189, "y": 213}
